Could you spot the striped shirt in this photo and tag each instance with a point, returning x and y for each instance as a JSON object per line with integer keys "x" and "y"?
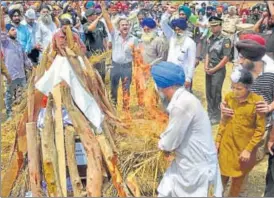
{"x": 264, "y": 86}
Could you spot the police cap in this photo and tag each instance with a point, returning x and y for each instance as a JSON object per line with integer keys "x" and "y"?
{"x": 213, "y": 21}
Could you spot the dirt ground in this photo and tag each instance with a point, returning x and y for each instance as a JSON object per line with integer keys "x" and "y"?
{"x": 257, "y": 176}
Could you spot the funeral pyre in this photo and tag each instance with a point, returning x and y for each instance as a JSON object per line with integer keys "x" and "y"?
{"x": 121, "y": 156}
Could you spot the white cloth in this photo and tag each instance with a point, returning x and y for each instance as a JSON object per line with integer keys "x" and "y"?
{"x": 269, "y": 63}
{"x": 61, "y": 70}
{"x": 184, "y": 54}
{"x": 45, "y": 33}
{"x": 195, "y": 167}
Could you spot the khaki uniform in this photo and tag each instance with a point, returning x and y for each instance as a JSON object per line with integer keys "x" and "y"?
{"x": 229, "y": 26}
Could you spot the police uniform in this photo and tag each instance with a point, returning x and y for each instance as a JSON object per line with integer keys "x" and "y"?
{"x": 218, "y": 47}
{"x": 229, "y": 25}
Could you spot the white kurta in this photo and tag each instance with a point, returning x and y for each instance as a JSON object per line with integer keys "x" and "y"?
{"x": 195, "y": 168}
{"x": 183, "y": 54}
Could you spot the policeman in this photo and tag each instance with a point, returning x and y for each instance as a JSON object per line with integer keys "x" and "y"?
{"x": 230, "y": 22}
{"x": 218, "y": 52}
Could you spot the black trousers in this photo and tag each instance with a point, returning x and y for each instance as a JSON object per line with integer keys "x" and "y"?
{"x": 214, "y": 85}
{"x": 101, "y": 68}
{"x": 269, "y": 180}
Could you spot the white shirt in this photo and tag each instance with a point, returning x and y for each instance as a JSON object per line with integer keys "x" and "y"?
{"x": 45, "y": 33}
{"x": 183, "y": 55}
{"x": 189, "y": 134}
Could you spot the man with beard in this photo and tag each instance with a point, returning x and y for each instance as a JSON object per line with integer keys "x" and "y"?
{"x": 195, "y": 170}
{"x": 122, "y": 48}
{"x": 209, "y": 10}
{"x": 203, "y": 30}
{"x": 219, "y": 50}
{"x": 30, "y": 18}
{"x": 15, "y": 60}
{"x": 182, "y": 49}
{"x": 23, "y": 34}
{"x": 152, "y": 44}
{"x": 185, "y": 13}
{"x": 96, "y": 38}
{"x": 46, "y": 28}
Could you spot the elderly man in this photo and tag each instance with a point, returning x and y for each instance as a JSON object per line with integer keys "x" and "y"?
{"x": 182, "y": 49}
{"x": 15, "y": 60}
{"x": 195, "y": 169}
{"x": 30, "y": 18}
{"x": 230, "y": 21}
{"x": 152, "y": 44}
{"x": 46, "y": 28}
{"x": 219, "y": 50}
{"x": 122, "y": 47}
{"x": 23, "y": 34}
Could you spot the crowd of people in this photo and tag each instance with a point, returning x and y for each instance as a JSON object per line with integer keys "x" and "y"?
{"x": 174, "y": 39}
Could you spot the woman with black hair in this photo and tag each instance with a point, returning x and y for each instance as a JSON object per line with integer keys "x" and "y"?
{"x": 239, "y": 135}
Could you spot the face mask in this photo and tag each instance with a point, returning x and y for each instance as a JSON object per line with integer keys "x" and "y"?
{"x": 208, "y": 14}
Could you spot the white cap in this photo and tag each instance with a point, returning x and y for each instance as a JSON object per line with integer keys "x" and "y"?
{"x": 30, "y": 14}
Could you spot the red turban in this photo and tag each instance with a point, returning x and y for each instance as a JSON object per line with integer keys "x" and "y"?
{"x": 254, "y": 37}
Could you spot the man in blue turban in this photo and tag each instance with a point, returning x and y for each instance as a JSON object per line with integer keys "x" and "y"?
{"x": 153, "y": 45}
{"x": 182, "y": 48}
{"x": 184, "y": 12}
{"x": 189, "y": 135}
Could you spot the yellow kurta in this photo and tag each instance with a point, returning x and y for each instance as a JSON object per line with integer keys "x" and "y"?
{"x": 241, "y": 132}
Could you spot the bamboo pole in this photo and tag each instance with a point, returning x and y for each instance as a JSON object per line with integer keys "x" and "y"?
{"x": 77, "y": 186}
{"x": 33, "y": 159}
{"x": 50, "y": 164}
{"x": 92, "y": 148}
{"x": 60, "y": 140}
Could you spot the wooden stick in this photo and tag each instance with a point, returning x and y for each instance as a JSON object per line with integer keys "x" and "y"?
{"x": 78, "y": 189}
{"x": 49, "y": 151}
{"x": 60, "y": 140}
{"x": 92, "y": 148}
{"x": 20, "y": 148}
{"x": 111, "y": 160}
{"x": 33, "y": 160}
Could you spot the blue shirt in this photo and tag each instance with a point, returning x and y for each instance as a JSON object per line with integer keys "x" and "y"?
{"x": 24, "y": 37}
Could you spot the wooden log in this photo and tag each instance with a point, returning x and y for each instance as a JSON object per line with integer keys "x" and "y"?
{"x": 77, "y": 186}
{"x": 91, "y": 146}
{"x": 60, "y": 139}
{"x": 111, "y": 160}
{"x": 20, "y": 149}
{"x": 50, "y": 163}
{"x": 31, "y": 98}
{"x": 133, "y": 186}
{"x": 33, "y": 160}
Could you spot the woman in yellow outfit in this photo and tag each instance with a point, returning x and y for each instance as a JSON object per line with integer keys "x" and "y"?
{"x": 239, "y": 135}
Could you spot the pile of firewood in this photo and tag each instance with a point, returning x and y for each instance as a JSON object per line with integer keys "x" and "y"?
{"x": 121, "y": 161}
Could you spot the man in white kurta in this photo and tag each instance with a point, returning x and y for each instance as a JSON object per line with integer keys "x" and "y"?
{"x": 182, "y": 49}
{"x": 195, "y": 169}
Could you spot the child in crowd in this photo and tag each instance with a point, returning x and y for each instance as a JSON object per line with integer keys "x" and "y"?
{"x": 239, "y": 135}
